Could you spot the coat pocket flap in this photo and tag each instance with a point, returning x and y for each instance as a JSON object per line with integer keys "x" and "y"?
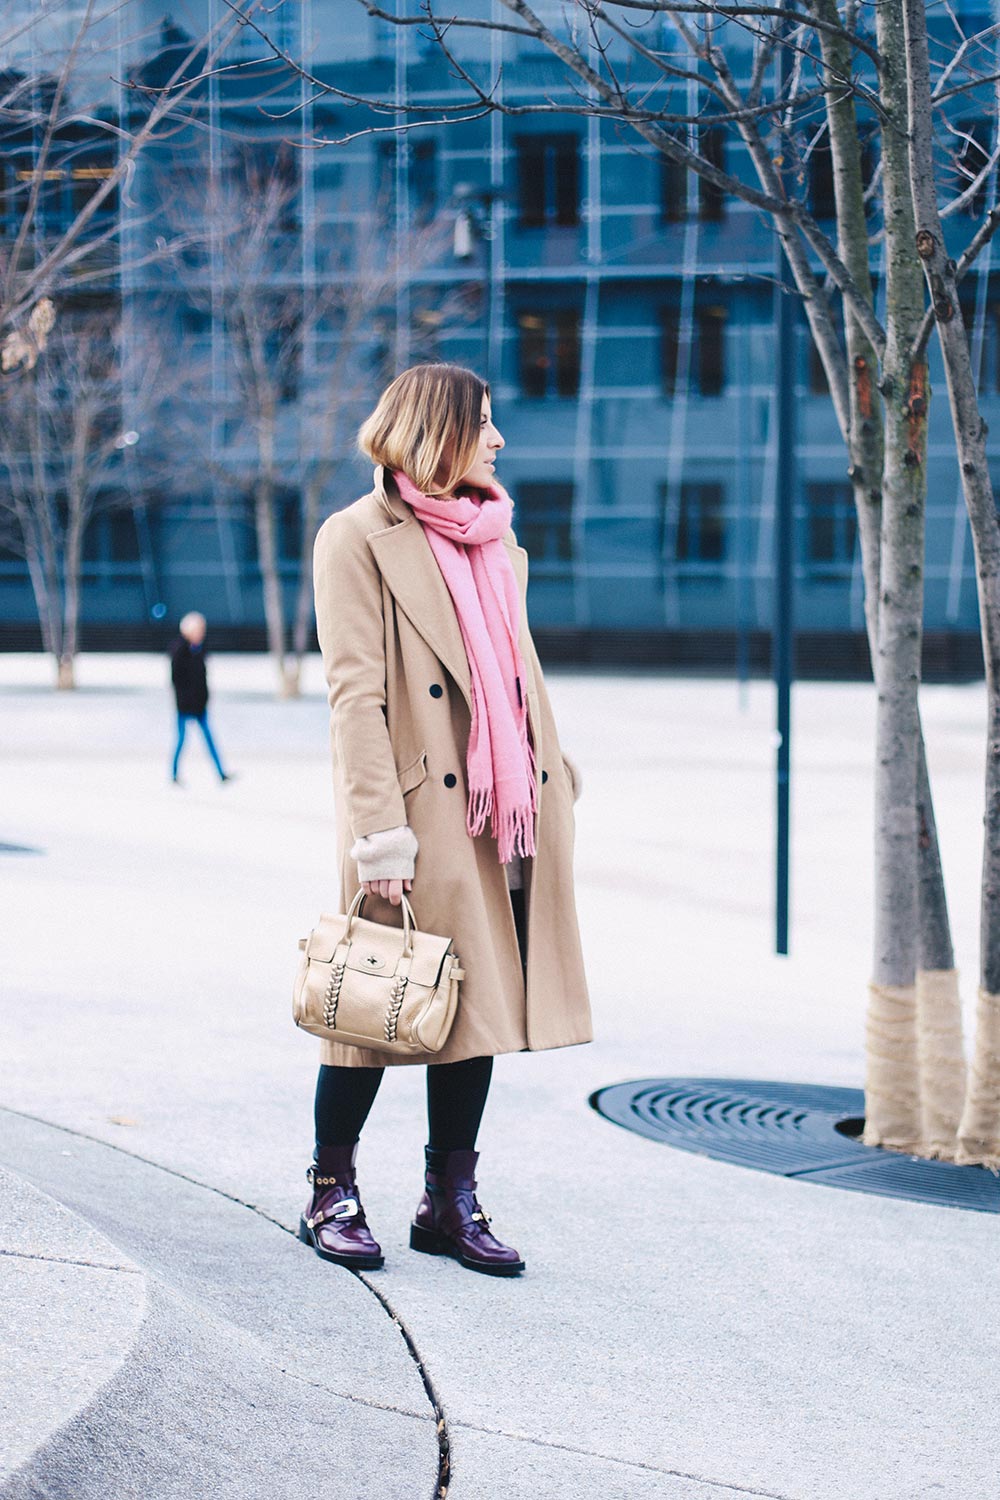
{"x": 413, "y": 774}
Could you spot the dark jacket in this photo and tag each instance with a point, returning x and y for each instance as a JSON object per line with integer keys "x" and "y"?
{"x": 189, "y": 677}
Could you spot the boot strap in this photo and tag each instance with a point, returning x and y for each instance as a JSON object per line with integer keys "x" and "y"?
{"x": 454, "y": 1223}
{"x": 347, "y": 1208}
{"x": 314, "y": 1180}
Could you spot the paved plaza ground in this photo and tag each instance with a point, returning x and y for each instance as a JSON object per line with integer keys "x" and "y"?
{"x": 686, "y": 1329}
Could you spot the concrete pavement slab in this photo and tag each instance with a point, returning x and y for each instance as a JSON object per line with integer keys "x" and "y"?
{"x": 700, "y": 1317}
{"x": 232, "y": 1263}
{"x": 34, "y": 1225}
{"x": 266, "y": 1369}
{"x": 707, "y": 1320}
{"x": 71, "y": 1306}
{"x": 200, "y": 1409}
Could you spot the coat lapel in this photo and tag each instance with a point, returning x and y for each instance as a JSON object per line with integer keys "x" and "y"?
{"x": 408, "y": 566}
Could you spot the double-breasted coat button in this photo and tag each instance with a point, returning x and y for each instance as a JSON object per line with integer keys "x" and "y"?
{"x": 545, "y": 775}
{"x": 450, "y": 779}
{"x": 436, "y": 690}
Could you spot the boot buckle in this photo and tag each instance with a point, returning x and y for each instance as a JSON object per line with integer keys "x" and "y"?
{"x": 347, "y": 1208}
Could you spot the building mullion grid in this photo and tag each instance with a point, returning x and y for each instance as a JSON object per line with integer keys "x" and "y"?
{"x": 221, "y": 506}
{"x": 678, "y": 423}
{"x": 497, "y": 213}
{"x": 583, "y": 466}
{"x": 401, "y": 196}
{"x": 309, "y": 391}
{"x": 128, "y": 289}
{"x": 741, "y": 569}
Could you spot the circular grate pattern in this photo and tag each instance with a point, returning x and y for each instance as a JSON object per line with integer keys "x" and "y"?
{"x": 800, "y": 1130}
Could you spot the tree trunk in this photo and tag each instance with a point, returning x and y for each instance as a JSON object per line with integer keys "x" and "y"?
{"x": 41, "y": 508}
{"x": 936, "y": 993}
{"x": 267, "y": 554}
{"x": 892, "y": 1090}
{"x": 38, "y": 572}
{"x": 72, "y": 557}
{"x": 979, "y": 1128}
{"x": 894, "y": 1084}
{"x": 866, "y": 460}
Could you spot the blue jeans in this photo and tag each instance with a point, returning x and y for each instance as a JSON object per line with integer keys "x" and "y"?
{"x": 202, "y": 721}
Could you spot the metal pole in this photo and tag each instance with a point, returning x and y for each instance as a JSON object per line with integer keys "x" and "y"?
{"x": 784, "y": 564}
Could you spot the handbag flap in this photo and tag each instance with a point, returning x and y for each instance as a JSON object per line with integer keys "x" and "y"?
{"x": 377, "y": 948}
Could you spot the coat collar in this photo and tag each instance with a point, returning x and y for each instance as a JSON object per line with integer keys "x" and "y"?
{"x": 386, "y": 492}
{"x": 408, "y": 566}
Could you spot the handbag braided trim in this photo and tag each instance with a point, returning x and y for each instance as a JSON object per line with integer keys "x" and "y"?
{"x": 332, "y": 997}
{"x": 395, "y": 1006}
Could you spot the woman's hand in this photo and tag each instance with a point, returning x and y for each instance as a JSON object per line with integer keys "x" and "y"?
{"x": 389, "y": 890}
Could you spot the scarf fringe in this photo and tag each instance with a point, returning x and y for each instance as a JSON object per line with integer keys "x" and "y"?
{"x": 515, "y": 834}
{"x": 480, "y": 807}
{"x": 513, "y": 829}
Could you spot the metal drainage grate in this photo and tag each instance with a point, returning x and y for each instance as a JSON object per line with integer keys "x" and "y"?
{"x": 798, "y": 1130}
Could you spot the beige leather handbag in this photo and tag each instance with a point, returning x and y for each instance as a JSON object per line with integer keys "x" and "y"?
{"x": 391, "y": 988}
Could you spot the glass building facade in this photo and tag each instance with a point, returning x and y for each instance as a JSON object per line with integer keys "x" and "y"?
{"x": 621, "y": 308}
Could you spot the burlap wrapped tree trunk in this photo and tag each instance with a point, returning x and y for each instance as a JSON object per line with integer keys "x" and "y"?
{"x": 978, "y": 1132}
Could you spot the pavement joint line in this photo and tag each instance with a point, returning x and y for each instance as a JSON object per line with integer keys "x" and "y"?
{"x": 330, "y": 1390}
{"x": 69, "y": 1260}
{"x": 440, "y": 1420}
{"x": 630, "y": 1463}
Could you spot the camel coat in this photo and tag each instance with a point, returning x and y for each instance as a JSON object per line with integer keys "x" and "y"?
{"x": 400, "y": 713}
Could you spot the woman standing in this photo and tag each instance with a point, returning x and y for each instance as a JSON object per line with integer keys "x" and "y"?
{"x": 448, "y": 780}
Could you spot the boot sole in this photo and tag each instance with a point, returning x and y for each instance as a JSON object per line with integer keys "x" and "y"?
{"x": 429, "y": 1243}
{"x": 352, "y": 1262}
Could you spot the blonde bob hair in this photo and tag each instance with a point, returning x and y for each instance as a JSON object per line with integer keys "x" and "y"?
{"x": 427, "y": 423}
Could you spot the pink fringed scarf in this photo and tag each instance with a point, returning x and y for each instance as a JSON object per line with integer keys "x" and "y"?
{"x": 464, "y": 536}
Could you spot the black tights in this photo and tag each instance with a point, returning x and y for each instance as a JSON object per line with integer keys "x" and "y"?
{"x": 456, "y": 1098}
{"x": 456, "y": 1092}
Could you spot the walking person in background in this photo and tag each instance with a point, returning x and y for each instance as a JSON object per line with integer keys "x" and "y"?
{"x": 448, "y": 780}
{"x": 190, "y": 679}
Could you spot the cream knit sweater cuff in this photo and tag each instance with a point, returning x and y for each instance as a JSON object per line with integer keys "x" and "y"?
{"x": 387, "y": 855}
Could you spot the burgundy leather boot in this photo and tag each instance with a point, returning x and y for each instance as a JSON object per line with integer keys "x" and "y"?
{"x": 451, "y": 1221}
{"x": 334, "y": 1222}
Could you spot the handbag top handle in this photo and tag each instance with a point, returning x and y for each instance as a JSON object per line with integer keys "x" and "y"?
{"x": 409, "y": 921}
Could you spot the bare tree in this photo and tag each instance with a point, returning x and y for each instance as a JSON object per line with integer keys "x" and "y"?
{"x": 69, "y": 159}
{"x": 62, "y": 439}
{"x": 247, "y": 275}
{"x": 74, "y": 155}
